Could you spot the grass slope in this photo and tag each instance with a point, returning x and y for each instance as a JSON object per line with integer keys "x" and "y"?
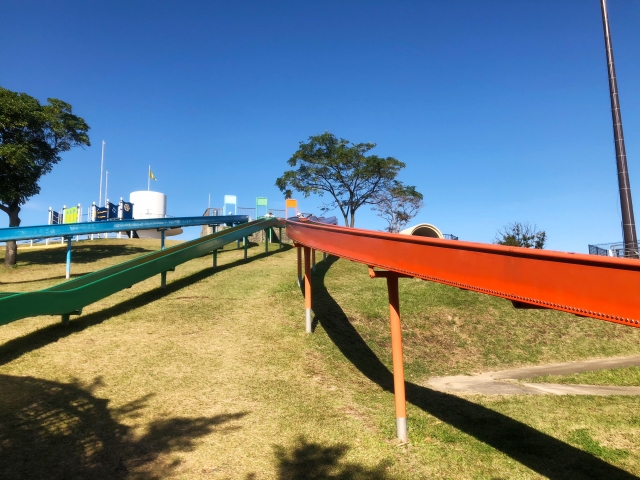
{"x": 214, "y": 378}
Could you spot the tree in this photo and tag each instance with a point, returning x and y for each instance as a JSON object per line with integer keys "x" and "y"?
{"x": 32, "y": 136}
{"x": 519, "y": 234}
{"x": 397, "y": 205}
{"x": 340, "y": 169}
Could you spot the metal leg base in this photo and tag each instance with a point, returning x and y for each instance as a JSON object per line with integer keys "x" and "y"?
{"x": 307, "y": 320}
{"x": 401, "y": 429}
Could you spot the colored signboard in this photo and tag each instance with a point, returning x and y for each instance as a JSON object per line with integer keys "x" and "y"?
{"x": 127, "y": 210}
{"x": 101, "y": 214}
{"x": 70, "y": 215}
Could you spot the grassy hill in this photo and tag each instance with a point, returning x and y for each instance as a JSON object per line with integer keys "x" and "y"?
{"x": 214, "y": 377}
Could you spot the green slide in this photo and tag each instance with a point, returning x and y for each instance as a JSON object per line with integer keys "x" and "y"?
{"x": 71, "y": 296}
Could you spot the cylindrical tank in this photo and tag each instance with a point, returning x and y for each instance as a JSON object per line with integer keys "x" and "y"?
{"x": 147, "y": 204}
{"x": 423, "y": 230}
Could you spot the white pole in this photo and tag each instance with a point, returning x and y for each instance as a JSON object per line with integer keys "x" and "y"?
{"x": 149, "y": 179}
{"x": 101, "y": 166}
{"x": 106, "y": 186}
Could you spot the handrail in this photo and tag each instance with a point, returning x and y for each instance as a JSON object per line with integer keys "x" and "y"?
{"x": 585, "y": 285}
{"x": 88, "y": 228}
{"x": 71, "y": 296}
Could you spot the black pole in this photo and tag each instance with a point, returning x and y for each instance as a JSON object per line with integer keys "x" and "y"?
{"x": 626, "y": 205}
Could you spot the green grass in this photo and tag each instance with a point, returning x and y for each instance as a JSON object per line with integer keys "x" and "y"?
{"x": 623, "y": 377}
{"x": 214, "y": 378}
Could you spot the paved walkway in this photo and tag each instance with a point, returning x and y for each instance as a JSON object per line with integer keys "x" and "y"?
{"x": 506, "y": 382}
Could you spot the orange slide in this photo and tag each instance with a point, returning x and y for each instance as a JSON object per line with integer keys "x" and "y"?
{"x": 587, "y": 285}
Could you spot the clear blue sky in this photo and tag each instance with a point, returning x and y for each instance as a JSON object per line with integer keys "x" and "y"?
{"x": 499, "y": 108}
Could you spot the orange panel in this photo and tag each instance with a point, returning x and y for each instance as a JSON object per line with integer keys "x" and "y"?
{"x": 588, "y": 285}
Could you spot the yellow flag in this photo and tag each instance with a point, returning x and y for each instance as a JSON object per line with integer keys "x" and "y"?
{"x": 151, "y": 176}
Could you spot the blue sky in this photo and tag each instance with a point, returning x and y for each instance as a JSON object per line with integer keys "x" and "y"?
{"x": 499, "y": 108}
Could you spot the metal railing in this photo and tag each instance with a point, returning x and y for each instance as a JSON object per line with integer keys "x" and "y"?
{"x": 613, "y": 250}
{"x": 213, "y": 211}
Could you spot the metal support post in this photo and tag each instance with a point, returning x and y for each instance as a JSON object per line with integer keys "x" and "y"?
{"x": 68, "y": 257}
{"x": 299, "y": 249}
{"x": 215, "y": 258}
{"x": 280, "y": 236}
{"x": 246, "y": 246}
{"x": 398, "y": 362}
{"x": 65, "y": 318}
{"x": 313, "y": 260}
{"x": 307, "y": 289}
{"x": 163, "y": 275}
{"x": 266, "y": 240}
{"x": 324, "y": 256}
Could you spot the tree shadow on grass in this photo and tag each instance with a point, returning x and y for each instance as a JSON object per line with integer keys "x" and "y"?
{"x": 311, "y": 461}
{"x": 538, "y": 451}
{"x": 62, "y": 431}
{"x": 17, "y": 347}
{"x": 80, "y": 253}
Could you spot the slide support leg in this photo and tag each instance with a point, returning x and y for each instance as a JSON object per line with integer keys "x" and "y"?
{"x": 307, "y": 289}
{"x": 68, "y": 274}
{"x": 299, "y": 249}
{"x": 396, "y": 353}
{"x": 163, "y": 275}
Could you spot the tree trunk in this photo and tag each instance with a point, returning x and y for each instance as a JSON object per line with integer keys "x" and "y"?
{"x": 11, "y": 250}
{"x": 353, "y": 219}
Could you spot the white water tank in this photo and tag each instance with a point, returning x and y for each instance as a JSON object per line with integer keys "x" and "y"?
{"x": 147, "y": 204}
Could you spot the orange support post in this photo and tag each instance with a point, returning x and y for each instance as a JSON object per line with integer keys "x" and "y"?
{"x": 396, "y": 354}
{"x": 307, "y": 289}
{"x": 299, "y": 248}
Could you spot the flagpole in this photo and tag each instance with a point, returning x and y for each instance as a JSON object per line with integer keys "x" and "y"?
{"x": 149, "y": 179}
{"x": 101, "y": 166}
{"x": 106, "y": 188}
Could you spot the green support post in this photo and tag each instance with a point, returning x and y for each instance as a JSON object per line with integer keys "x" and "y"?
{"x": 246, "y": 246}
{"x": 163, "y": 275}
{"x": 65, "y": 318}
{"x": 266, "y": 240}
{"x": 215, "y": 258}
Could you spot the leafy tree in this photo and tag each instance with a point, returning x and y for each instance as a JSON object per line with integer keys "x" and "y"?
{"x": 397, "y": 205}
{"x": 328, "y": 165}
{"x": 519, "y": 234}
{"x": 32, "y": 136}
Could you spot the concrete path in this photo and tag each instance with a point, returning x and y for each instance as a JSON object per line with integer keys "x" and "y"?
{"x": 506, "y": 382}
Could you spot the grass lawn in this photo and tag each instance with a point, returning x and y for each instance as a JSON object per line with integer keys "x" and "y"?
{"x": 214, "y": 377}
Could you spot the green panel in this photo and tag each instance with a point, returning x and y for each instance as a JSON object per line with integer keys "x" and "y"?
{"x": 75, "y": 294}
